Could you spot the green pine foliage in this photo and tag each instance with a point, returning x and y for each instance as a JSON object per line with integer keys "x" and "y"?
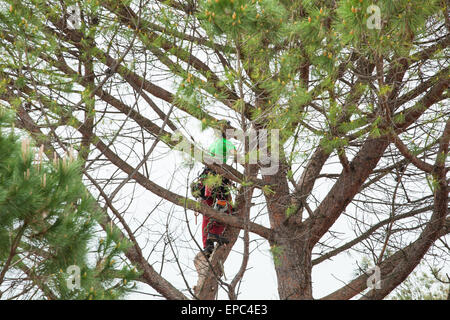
{"x": 274, "y": 42}
{"x": 421, "y": 286}
{"x": 48, "y": 222}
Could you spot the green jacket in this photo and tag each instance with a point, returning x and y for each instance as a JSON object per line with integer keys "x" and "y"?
{"x": 221, "y": 149}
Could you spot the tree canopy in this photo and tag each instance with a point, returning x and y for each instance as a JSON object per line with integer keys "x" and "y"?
{"x": 355, "y": 91}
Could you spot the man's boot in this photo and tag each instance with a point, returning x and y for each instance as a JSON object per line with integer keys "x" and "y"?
{"x": 217, "y": 238}
{"x": 209, "y": 248}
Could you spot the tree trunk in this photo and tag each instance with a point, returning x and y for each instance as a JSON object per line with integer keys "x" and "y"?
{"x": 293, "y": 265}
{"x": 290, "y": 250}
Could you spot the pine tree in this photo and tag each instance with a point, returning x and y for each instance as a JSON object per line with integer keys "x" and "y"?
{"x": 48, "y": 243}
{"x": 358, "y": 90}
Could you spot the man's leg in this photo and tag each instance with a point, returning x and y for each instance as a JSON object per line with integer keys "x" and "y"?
{"x": 208, "y": 245}
{"x": 216, "y": 229}
{"x": 212, "y": 233}
{"x": 206, "y": 226}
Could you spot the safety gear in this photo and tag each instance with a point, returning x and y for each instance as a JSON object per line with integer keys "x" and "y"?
{"x": 221, "y": 206}
{"x": 218, "y": 198}
{"x": 198, "y": 187}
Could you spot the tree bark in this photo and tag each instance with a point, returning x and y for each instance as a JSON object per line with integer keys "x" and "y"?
{"x": 293, "y": 264}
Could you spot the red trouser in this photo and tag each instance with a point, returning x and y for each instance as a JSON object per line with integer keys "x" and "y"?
{"x": 210, "y": 225}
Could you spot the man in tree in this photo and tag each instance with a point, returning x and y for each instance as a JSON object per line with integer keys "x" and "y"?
{"x": 357, "y": 89}
{"x": 217, "y": 195}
